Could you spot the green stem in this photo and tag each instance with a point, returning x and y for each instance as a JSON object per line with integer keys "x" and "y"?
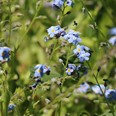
{"x": 62, "y": 11}
{"x": 33, "y": 20}
{"x": 95, "y": 76}
{"x": 9, "y": 5}
{"x": 60, "y": 103}
{"x": 68, "y": 59}
{"x": 55, "y": 48}
{"x": 93, "y": 20}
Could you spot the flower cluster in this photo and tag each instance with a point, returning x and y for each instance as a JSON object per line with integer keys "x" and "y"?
{"x": 39, "y": 71}
{"x": 78, "y": 71}
{"x": 72, "y": 37}
{"x": 110, "y": 94}
{"x": 4, "y": 54}
{"x": 61, "y": 3}
{"x": 82, "y": 52}
{"x": 112, "y": 40}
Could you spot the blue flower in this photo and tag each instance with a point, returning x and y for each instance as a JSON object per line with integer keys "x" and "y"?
{"x": 84, "y": 56}
{"x": 69, "y": 3}
{"x": 82, "y": 53}
{"x": 113, "y": 31}
{"x": 83, "y": 87}
{"x": 79, "y": 49}
{"x": 4, "y": 54}
{"x": 110, "y": 94}
{"x": 97, "y": 90}
{"x": 40, "y": 70}
{"x": 70, "y": 70}
{"x": 11, "y": 107}
{"x": 73, "y": 37}
{"x": 72, "y": 66}
{"x": 112, "y": 40}
{"x": 55, "y": 31}
{"x": 58, "y": 3}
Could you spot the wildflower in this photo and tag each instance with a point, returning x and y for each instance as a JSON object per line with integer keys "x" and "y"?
{"x": 4, "y": 54}
{"x": 69, "y": 3}
{"x": 110, "y": 94}
{"x": 58, "y": 3}
{"x": 112, "y": 40}
{"x": 97, "y": 89}
{"x": 79, "y": 49}
{"x": 55, "y": 31}
{"x": 11, "y": 107}
{"x": 113, "y": 31}
{"x": 82, "y": 53}
{"x": 70, "y": 70}
{"x": 38, "y": 71}
{"x": 72, "y": 37}
{"x": 72, "y": 66}
{"x": 83, "y": 87}
{"x": 84, "y": 56}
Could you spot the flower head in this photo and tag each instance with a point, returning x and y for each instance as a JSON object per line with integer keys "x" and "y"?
{"x": 112, "y": 40}
{"x": 79, "y": 49}
{"x": 113, "y": 31}
{"x": 4, "y": 54}
{"x": 55, "y": 31}
{"x": 70, "y": 70}
{"x": 84, "y": 56}
{"x": 84, "y": 87}
{"x": 40, "y": 70}
{"x": 72, "y": 37}
{"x": 11, "y": 107}
{"x": 58, "y": 3}
{"x": 97, "y": 90}
{"x": 82, "y": 53}
{"x": 110, "y": 94}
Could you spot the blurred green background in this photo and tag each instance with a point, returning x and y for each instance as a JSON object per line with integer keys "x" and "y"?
{"x": 95, "y": 18}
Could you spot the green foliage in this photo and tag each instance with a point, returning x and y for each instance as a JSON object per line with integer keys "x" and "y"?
{"x": 23, "y": 27}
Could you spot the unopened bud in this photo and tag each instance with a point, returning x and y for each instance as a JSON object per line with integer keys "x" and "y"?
{"x": 99, "y": 68}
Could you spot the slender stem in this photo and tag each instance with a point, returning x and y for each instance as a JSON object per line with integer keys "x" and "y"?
{"x": 92, "y": 19}
{"x": 55, "y": 48}
{"x": 95, "y": 76}
{"x": 60, "y": 103}
{"x": 33, "y": 20}
{"x": 10, "y": 23}
{"x": 68, "y": 59}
